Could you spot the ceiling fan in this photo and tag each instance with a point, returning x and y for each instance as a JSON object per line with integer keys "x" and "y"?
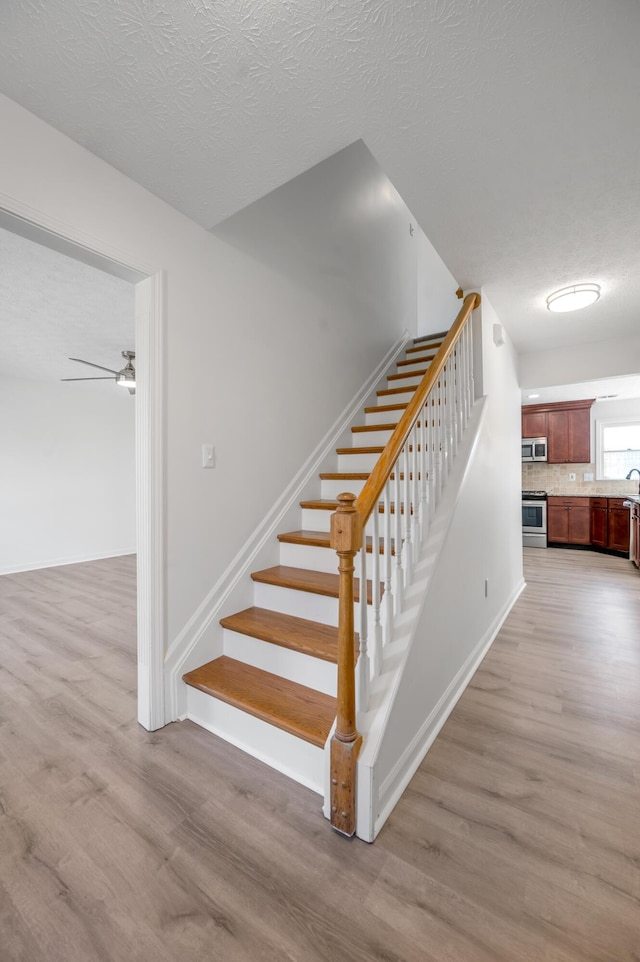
{"x": 126, "y": 377}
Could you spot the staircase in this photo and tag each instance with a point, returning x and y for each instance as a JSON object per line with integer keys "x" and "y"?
{"x": 273, "y": 691}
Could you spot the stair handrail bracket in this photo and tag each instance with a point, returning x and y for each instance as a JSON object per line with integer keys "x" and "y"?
{"x": 405, "y": 483}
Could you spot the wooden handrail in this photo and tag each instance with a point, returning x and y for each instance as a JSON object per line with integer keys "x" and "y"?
{"x": 374, "y": 486}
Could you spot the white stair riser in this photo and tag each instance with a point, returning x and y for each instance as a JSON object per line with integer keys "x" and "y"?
{"x": 412, "y": 381}
{"x": 357, "y": 462}
{"x": 365, "y": 439}
{"x": 284, "y": 752}
{"x": 300, "y": 604}
{"x": 419, "y": 365}
{"x": 403, "y": 398}
{"x": 320, "y": 559}
{"x": 308, "y": 556}
{"x": 331, "y": 489}
{"x": 316, "y": 519}
{"x": 294, "y": 665}
{"x": 383, "y": 417}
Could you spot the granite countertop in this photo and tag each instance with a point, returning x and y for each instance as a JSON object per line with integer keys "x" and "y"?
{"x": 573, "y": 494}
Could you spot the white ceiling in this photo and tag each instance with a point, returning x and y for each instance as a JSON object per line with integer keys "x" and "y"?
{"x": 53, "y": 308}
{"x": 510, "y": 128}
{"x": 607, "y": 389}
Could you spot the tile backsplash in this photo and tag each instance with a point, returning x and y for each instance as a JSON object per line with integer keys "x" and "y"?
{"x": 554, "y": 479}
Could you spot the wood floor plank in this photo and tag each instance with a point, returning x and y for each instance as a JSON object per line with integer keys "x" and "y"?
{"x": 518, "y": 839}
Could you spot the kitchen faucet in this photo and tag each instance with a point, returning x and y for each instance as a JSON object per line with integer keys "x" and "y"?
{"x": 637, "y": 470}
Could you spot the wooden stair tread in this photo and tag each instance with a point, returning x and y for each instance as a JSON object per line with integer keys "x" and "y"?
{"x": 287, "y": 631}
{"x": 377, "y": 449}
{"x": 396, "y": 390}
{"x": 427, "y": 359}
{"x": 344, "y": 475}
{"x": 318, "y": 539}
{"x": 437, "y": 336}
{"x": 359, "y": 428}
{"x": 376, "y": 408}
{"x": 305, "y": 579}
{"x": 301, "y": 711}
{"x": 407, "y": 374}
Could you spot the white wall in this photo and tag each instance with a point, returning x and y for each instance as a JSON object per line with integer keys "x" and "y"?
{"x": 259, "y": 362}
{"x": 67, "y": 485}
{"x": 580, "y": 362}
{"x": 484, "y": 541}
{"x": 436, "y": 289}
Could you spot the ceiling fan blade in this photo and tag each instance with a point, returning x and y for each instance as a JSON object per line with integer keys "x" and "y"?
{"x": 87, "y": 378}
{"x": 91, "y": 364}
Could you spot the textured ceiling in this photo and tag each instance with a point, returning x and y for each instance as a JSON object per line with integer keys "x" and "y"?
{"x": 510, "y": 128}
{"x": 53, "y": 308}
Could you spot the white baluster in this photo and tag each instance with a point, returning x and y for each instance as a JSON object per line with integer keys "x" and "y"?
{"x": 452, "y": 406}
{"x": 467, "y": 380}
{"x": 388, "y": 559}
{"x": 363, "y": 667}
{"x": 433, "y": 460}
{"x": 439, "y": 446}
{"x": 398, "y": 593}
{"x": 463, "y": 375}
{"x": 459, "y": 414}
{"x": 424, "y": 471}
{"x": 375, "y": 593}
{"x": 406, "y": 544}
{"x": 445, "y": 424}
{"x": 415, "y": 491}
{"x": 472, "y": 388}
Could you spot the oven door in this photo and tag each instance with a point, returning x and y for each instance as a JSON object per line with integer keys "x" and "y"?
{"x": 534, "y": 524}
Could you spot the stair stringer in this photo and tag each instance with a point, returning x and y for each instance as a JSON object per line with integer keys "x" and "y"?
{"x": 376, "y": 798}
{"x": 201, "y": 639}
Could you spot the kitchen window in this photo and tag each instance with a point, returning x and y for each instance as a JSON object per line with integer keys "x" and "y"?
{"x": 617, "y": 448}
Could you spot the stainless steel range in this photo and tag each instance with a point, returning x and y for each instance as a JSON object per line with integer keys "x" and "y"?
{"x": 534, "y": 519}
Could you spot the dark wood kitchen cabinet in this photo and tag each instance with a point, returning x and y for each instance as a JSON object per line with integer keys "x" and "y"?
{"x": 599, "y": 522}
{"x": 567, "y": 427}
{"x": 635, "y": 534}
{"x": 569, "y": 520}
{"x": 570, "y": 436}
{"x": 619, "y": 525}
{"x": 534, "y": 423}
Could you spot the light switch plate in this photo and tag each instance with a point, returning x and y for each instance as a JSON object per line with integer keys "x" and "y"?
{"x": 588, "y": 476}
{"x": 208, "y": 456}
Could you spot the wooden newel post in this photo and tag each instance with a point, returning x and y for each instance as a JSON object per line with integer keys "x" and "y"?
{"x": 346, "y": 539}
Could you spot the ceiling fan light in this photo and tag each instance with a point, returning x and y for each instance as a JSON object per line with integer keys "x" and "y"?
{"x": 126, "y": 380}
{"x": 573, "y": 298}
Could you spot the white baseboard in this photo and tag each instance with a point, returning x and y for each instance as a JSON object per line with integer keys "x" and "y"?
{"x": 69, "y": 560}
{"x": 405, "y": 768}
{"x": 197, "y": 630}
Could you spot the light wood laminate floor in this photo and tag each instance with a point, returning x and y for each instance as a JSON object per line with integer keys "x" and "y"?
{"x": 517, "y": 840}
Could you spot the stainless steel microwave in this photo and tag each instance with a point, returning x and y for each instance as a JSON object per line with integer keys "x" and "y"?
{"x": 534, "y": 449}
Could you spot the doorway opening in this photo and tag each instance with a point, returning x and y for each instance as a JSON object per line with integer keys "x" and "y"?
{"x": 146, "y": 339}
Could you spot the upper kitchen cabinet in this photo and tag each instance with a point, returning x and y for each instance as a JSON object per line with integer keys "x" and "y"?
{"x": 534, "y": 423}
{"x": 568, "y": 429}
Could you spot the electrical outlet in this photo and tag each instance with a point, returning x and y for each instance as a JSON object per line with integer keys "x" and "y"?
{"x": 572, "y": 476}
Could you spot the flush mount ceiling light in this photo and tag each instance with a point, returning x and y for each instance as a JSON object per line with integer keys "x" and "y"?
{"x": 573, "y": 298}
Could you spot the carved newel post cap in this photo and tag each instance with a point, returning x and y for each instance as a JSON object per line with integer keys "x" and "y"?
{"x": 346, "y": 529}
